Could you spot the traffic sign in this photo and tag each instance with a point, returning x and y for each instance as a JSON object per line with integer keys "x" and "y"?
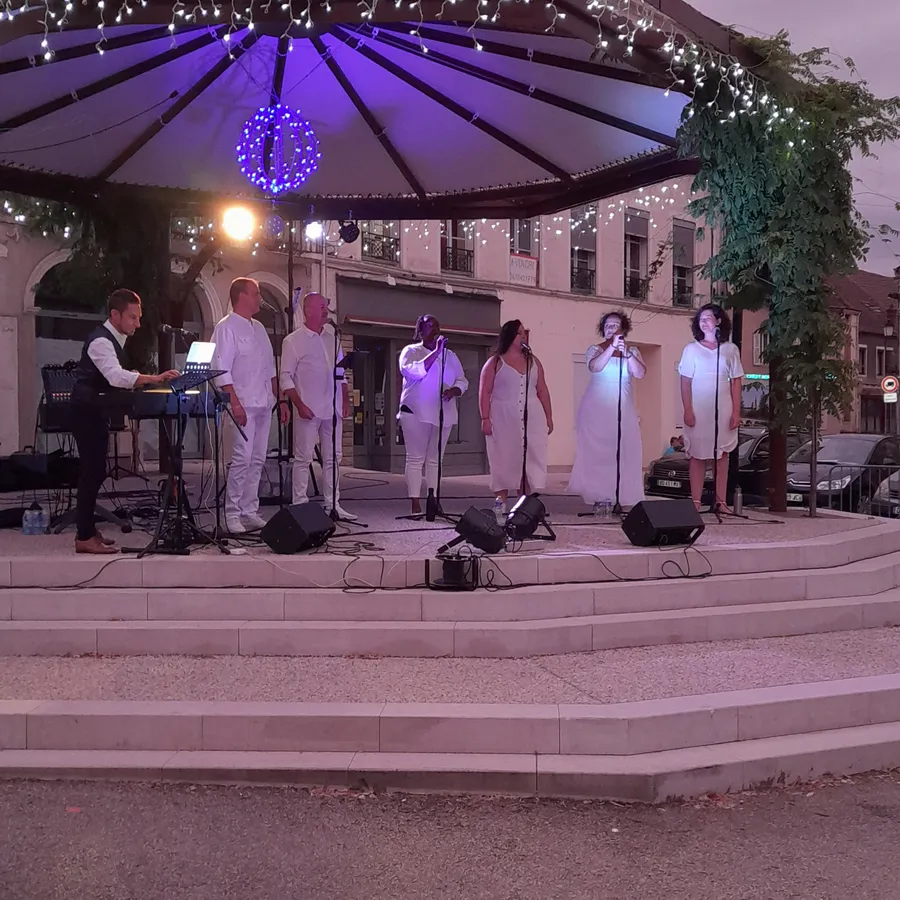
{"x": 889, "y": 384}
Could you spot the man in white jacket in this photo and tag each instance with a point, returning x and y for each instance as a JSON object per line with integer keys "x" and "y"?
{"x": 244, "y": 351}
{"x": 308, "y": 372}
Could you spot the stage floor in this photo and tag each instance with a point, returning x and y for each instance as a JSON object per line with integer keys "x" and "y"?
{"x": 378, "y": 499}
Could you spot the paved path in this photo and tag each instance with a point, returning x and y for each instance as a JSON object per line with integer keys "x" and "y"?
{"x": 604, "y": 676}
{"x": 136, "y": 842}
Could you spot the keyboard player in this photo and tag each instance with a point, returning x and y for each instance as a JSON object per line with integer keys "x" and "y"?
{"x": 103, "y": 369}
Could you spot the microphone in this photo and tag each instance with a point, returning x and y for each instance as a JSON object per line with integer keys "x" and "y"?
{"x": 526, "y": 349}
{"x": 170, "y": 329}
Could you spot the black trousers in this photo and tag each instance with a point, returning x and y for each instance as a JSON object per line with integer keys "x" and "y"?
{"x": 91, "y": 431}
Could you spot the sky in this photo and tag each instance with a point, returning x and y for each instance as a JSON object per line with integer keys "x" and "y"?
{"x": 865, "y": 31}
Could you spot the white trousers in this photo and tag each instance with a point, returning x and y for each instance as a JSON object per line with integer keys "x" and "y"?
{"x": 421, "y": 441}
{"x": 306, "y": 433}
{"x": 247, "y": 459}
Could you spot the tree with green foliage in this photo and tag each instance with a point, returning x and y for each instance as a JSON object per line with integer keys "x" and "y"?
{"x": 780, "y": 194}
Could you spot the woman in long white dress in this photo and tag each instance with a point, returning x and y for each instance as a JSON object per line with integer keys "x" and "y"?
{"x": 612, "y": 363}
{"x": 699, "y": 380}
{"x": 510, "y": 376}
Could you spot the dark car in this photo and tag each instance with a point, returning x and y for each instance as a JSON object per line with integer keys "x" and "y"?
{"x": 850, "y": 469}
{"x": 886, "y": 499}
{"x": 668, "y": 475}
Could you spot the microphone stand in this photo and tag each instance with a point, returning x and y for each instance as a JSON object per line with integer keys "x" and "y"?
{"x": 335, "y": 378}
{"x": 523, "y": 483}
{"x": 714, "y": 505}
{"x": 221, "y": 403}
{"x": 617, "y": 507}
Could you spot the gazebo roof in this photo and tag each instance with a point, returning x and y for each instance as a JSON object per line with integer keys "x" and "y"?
{"x": 415, "y": 116}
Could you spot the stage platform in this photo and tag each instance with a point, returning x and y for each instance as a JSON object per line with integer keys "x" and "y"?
{"x": 496, "y": 690}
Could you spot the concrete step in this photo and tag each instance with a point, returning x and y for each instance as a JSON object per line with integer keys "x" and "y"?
{"x": 325, "y": 571}
{"x": 648, "y": 777}
{"x": 860, "y": 579}
{"x": 437, "y": 639}
{"x": 617, "y": 729}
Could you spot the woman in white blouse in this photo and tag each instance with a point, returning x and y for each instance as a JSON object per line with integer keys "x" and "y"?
{"x": 700, "y": 380}
{"x": 421, "y": 399}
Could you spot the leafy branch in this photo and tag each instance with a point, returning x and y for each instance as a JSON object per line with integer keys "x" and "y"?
{"x": 779, "y": 192}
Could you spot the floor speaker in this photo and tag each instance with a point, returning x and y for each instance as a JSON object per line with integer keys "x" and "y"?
{"x": 663, "y": 523}
{"x": 294, "y": 529}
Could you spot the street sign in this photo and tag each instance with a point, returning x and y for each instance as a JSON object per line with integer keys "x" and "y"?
{"x": 889, "y": 384}
{"x": 890, "y": 398}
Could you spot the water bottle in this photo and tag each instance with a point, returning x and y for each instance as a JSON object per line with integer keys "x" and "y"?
{"x": 30, "y": 519}
{"x": 738, "y": 502}
{"x": 43, "y": 522}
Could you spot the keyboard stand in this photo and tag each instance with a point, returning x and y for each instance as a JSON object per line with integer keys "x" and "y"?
{"x": 176, "y": 528}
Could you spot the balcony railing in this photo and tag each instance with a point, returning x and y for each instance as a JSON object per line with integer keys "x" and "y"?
{"x": 380, "y": 247}
{"x": 634, "y": 287}
{"x": 683, "y": 297}
{"x": 458, "y": 259}
{"x": 583, "y": 280}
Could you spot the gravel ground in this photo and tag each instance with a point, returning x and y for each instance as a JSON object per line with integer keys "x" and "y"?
{"x": 601, "y": 677}
{"x": 61, "y": 841}
{"x": 378, "y": 500}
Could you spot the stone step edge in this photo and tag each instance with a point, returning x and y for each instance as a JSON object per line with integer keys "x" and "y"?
{"x": 860, "y": 544}
{"x": 198, "y": 625}
{"x": 618, "y": 729}
{"x": 416, "y": 639}
{"x": 648, "y": 778}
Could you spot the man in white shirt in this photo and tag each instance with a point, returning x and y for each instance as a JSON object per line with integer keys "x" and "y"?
{"x": 421, "y": 399}
{"x": 244, "y": 351}
{"x": 308, "y": 376}
{"x": 100, "y": 374}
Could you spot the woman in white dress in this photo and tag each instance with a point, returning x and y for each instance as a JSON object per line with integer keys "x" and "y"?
{"x": 612, "y": 363}
{"x": 510, "y": 376}
{"x": 699, "y": 379}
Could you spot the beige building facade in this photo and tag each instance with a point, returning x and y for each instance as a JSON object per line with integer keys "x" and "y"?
{"x": 559, "y": 274}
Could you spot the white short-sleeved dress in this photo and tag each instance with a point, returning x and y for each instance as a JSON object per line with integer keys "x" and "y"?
{"x": 699, "y": 364}
{"x": 597, "y": 433}
{"x": 505, "y": 443}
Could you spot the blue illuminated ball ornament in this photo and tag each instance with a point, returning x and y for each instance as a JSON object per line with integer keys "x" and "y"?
{"x": 274, "y": 226}
{"x": 293, "y": 150}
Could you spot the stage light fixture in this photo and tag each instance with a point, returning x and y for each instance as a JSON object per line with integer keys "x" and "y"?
{"x": 349, "y": 231}
{"x": 525, "y": 517}
{"x": 314, "y": 230}
{"x": 479, "y": 528}
{"x": 238, "y": 223}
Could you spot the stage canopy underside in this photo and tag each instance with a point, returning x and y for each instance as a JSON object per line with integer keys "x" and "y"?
{"x": 415, "y": 118}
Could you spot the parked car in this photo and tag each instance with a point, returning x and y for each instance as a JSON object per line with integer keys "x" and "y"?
{"x": 850, "y": 469}
{"x": 668, "y": 475}
{"x": 886, "y": 499}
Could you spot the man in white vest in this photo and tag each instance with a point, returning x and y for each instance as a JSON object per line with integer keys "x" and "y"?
{"x": 308, "y": 372}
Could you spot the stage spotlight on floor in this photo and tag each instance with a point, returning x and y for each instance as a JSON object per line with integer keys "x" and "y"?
{"x": 525, "y": 517}
{"x": 479, "y": 528}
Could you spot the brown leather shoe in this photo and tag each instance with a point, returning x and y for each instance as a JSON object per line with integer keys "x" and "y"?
{"x": 95, "y": 545}
{"x": 106, "y": 540}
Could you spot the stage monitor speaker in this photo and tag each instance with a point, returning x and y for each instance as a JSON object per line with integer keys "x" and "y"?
{"x": 663, "y": 523}
{"x": 294, "y": 529}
